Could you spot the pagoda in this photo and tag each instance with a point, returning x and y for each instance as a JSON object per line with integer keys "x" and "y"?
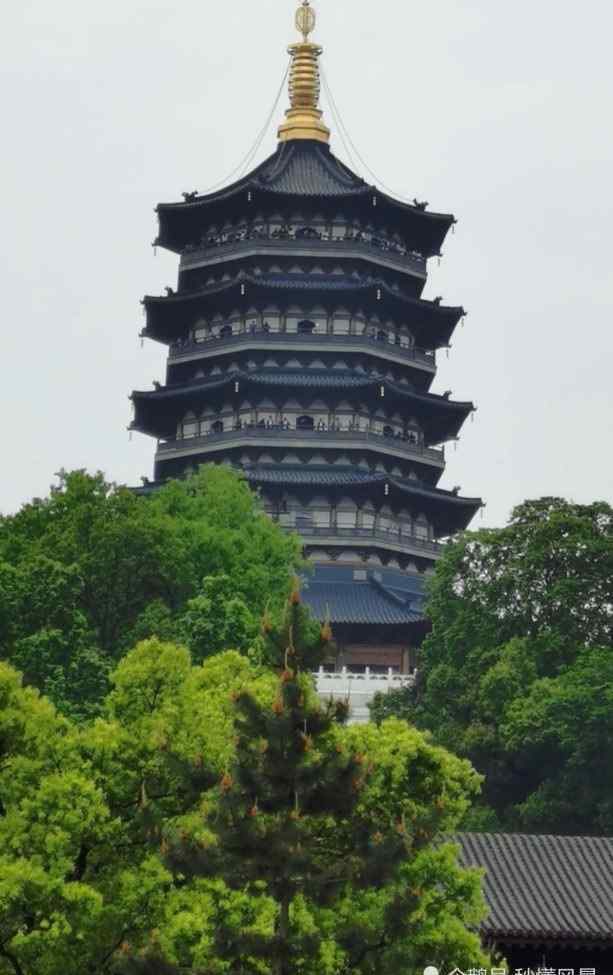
{"x": 301, "y": 352}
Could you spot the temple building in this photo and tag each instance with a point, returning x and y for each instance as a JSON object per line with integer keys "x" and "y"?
{"x": 302, "y": 352}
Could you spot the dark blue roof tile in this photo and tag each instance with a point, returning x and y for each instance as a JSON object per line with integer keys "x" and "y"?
{"x": 360, "y": 602}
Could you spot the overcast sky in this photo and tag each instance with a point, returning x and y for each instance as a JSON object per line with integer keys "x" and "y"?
{"x": 499, "y": 112}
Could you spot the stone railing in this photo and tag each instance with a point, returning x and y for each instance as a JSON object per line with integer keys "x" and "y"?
{"x": 278, "y": 436}
{"x": 358, "y": 689}
{"x": 319, "y": 341}
{"x": 320, "y": 245}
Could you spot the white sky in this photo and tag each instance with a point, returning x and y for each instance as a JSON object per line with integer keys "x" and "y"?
{"x": 498, "y": 112}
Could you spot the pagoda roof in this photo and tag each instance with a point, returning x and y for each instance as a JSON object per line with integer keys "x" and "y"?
{"x": 300, "y": 169}
{"x": 369, "y": 602}
{"x": 168, "y": 316}
{"x": 450, "y": 511}
{"x": 442, "y": 418}
{"x": 543, "y": 889}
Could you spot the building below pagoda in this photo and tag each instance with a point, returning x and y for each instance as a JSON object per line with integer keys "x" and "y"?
{"x": 301, "y": 352}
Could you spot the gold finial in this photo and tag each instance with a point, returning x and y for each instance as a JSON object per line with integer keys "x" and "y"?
{"x": 303, "y": 118}
{"x": 305, "y": 20}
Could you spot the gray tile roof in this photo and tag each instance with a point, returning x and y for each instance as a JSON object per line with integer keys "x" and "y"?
{"x": 543, "y": 888}
{"x": 308, "y": 170}
{"x": 360, "y": 602}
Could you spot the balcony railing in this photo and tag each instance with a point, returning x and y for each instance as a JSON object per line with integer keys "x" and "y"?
{"x": 277, "y": 436}
{"x": 393, "y": 536}
{"x": 260, "y": 338}
{"x": 358, "y": 689}
{"x": 319, "y": 245}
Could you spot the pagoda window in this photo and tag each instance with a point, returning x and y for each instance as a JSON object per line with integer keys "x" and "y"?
{"x": 217, "y": 426}
{"x": 422, "y": 529}
{"x": 386, "y": 522}
{"x": 273, "y": 320}
{"x": 225, "y": 332}
{"x": 367, "y": 519}
{"x": 306, "y": 327}
{"x": 347, "y": 515}
{"x": 321, "y": 517}
{"x": 200, "y": 334}
{"x": 305, "y": 423}
{"x": 341, "y": 326}
{"x": 190, "y": 427}
{"x": 339, "y": 229}
{"x": 287, "y": 519}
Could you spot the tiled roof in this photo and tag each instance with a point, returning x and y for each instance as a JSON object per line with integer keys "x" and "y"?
{"x": 304, "y": 169}
{"x": 315, "y": 475}
{"x": 311, "y": 378}
{"x": 308, "y": 379}
{"x": 542, "y": 888}
{"x": 345, "y": 477}
{"x": 308, "y": 170}
{"x": 359, "y": 602}
{"x": 314, "y": 282}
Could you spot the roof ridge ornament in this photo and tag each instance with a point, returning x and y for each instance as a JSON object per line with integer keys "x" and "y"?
{"x": 304, "y": 117}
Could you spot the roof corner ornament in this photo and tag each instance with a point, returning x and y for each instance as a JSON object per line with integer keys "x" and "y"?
{"x": 304, "y": 117}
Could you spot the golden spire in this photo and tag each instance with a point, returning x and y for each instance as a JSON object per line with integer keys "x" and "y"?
{"x": 303, "y": 118}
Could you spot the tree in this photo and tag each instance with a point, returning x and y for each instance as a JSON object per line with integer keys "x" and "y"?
{"x": 93, "y": 569}
{"x": 82, "y": 809}
{"x": 513, "y": 674}
{"x": 320, "y": 843}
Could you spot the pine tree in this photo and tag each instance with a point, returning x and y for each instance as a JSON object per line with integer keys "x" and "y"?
{"x": 292, "y": 781}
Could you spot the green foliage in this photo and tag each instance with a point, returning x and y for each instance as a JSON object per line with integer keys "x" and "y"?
{"x": 514, "y": 674}
{"x": 319, "y": 849}
{"x": 93, "y": 814}
{"x": 217, "y": 619}
{"x": 93, "y": 569}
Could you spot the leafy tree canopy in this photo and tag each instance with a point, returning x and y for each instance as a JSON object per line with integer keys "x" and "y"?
{"x": 97, "y": 817}
{"x": 517, "y": 672}
{"x": 92, "y": 569}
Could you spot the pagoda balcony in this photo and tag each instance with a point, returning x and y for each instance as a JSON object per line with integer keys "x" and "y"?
{"x": 377, "y": 250}
{"x": 277, "y": 437}
{"x": 260, "y": 340}
{"x": 375, "y": 537}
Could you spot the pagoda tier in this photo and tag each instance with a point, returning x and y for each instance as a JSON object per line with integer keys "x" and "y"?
{"x": 379, "y": 352}
{"x": 304, "y": 179}
{"x": 324, "y": 298}
{"x": 310, "y": 400}
{"x": 446, "y": 511}
{"x": 366, "y": 516}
